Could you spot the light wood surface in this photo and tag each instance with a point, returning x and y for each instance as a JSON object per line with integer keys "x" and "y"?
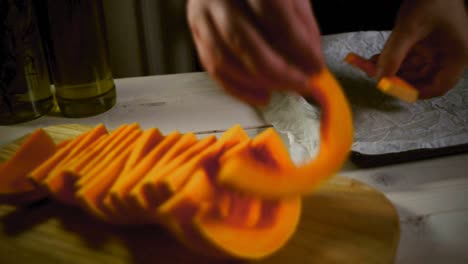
{"x": 345, "y": 221}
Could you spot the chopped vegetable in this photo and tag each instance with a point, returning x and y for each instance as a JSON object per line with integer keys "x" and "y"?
{"x": 391, "y": 85}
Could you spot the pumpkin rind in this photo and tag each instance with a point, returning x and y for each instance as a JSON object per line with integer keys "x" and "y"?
{"x": 236, "y": 241}
{"x": 336, "y": 137}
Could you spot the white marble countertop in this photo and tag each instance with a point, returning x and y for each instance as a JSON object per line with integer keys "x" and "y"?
{"x": 431, "y": 196}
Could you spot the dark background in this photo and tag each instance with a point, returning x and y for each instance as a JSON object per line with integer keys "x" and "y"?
{"x": 338, "y": 16}
{"x": 333, "y": 16}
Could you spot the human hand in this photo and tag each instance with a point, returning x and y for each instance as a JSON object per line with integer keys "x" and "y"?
{"x": 428, "y": 46}
{"x": 255, "y": 46}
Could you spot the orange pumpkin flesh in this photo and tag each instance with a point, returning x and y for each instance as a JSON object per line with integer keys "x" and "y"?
{"x": 76, "y": 166}
{"x": 391, "y": 85}
{"x": 123, "y": 145}
{"x": 189, "y": 210}
{"x": 250, "y": 242}
{"x": 361, "y": 63}
{"x": 40, "y": 173}
{"x": 117, "y": 200}
{"x": 199, "y": 185}
{"x": 91, "y": 195}
{"x": 270, "y": 181}
{"x": 398, "y": 88}
{"x": 13, "y": 173}
{"x": 149, "y": 139}
{"x": 216, "y": 196}
{"x": 177, "y": 178}
{"x": 137, "y": 196}
{"x": 128, "y": 131}
{"x": 154, "y": 185}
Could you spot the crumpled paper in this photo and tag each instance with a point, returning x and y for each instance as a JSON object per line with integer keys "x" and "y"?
{"x": 382, "y": 124}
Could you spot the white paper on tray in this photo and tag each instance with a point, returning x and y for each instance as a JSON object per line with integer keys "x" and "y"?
{"x": 382, "y": 124}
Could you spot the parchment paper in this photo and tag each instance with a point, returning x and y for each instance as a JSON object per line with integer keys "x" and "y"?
{"x": 383, "y": 125}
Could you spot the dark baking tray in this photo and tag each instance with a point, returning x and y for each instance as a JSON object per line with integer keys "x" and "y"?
{"x": 370, "y": 161}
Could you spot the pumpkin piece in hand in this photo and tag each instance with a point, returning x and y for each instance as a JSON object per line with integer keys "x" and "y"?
{"x": 398, "y": 88}
{"x": 391, "y": 85}
{"x": 275, "y": 176}
{"x": 365, "y": 65}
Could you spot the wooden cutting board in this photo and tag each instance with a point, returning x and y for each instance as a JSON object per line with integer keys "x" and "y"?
{"x": 344, "y": 221}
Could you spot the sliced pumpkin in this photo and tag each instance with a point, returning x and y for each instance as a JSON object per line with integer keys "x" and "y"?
{"x": 239, "y": 209}
{"x": 91, "y": 195}
{"x": 107, "y": 169}
{"x": 152, "y": 183}
{"x": 178, "y": 177}
{"x": 177, "y": 212}
{"x": 39, "y": 174}
{"x": 148, "y": 140}
{"x": 117, "y": 198}
{"x": 76, "y": 165}
{"x": 36, "y": 149}
{"x": 120, "y": 146}
{"x": 137, "y": 195}
{"x": 250, "y": 242}
{"x": 60, "y": 181}
{"x": 230, "y": 235}
{"x": 391, "y": 85}
{"x": 63, "y": 143}
{"x": 398, "y": 88}
{"x": 361, "y": 63}
{"x": 274, "y": 176}
{"x": 128, "y": 130}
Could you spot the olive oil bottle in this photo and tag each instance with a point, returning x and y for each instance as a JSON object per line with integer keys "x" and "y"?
{"x": 81, "y": 72}
{"x": 25, "y": 92}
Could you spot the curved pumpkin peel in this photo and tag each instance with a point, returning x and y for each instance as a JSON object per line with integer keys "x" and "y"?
{"x": 250, "y": 242}
{"x": 336, "y": 137}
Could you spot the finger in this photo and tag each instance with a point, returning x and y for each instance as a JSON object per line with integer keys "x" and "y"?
{"x": 244, "y": 90}
{"x": 395, "y": 50}
{"x": 223, "y": 67}
{"x": 445, "y": 79}
{"x": 262, "y": 63}
{"x": 292, "y": 30}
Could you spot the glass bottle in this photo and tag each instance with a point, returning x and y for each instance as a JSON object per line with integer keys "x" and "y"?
{"x": 81, "y": 72}
{"x": 24, "y": 80}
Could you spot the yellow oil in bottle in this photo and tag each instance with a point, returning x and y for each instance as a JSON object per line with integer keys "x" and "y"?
{"x": 24, "y": 80}
{"x": 82, "y": 76}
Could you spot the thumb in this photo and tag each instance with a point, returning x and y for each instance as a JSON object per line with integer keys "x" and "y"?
{"x": 396, "y": 49}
